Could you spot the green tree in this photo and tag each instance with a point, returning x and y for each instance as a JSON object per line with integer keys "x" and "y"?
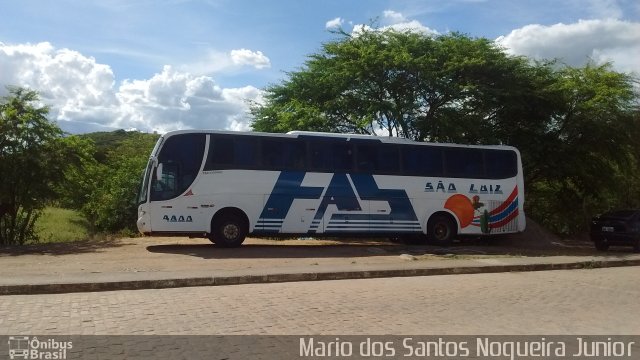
{"x": 81, "y": 179}
{"x": 112, "y": 206}
{"x": 586, "y": 160}
{"x": 34, "y": 157}
{"x": 442, "y": 88}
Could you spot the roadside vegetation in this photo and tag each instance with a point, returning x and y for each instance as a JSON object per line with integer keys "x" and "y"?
{"x": 57, "y": 225}
{"x": 577, "y": 130}
{"x": 56, "y": 186}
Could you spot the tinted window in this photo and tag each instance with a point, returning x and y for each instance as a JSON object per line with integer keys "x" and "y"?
{"x": 388, "y": 159}
{"x": 283, "y": 153}
{"x": 367, "y": 160}
{"x": 500, "y": 164}
{"x": 464, "y": 163}
{"x": 295, "y": 155}
{"x": 245, "y": 151}
{"x": 380, "y": 159}
{"x": 342, "y": 156}
{"x": 620, "y": 214}
{"x": 272, "y": 154}
{"x": 181, "y": 158}
{"x": 221, "y": 153}
{"x": 328, "y": 155}
{"x": 422, "y": 160}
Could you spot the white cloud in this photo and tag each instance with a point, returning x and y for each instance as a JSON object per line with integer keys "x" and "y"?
{"x": 398, "y": 22}
{"x": 393, "y": 16}
{"x": 334, "y": 23}
{"x": 412, "y": 26}
{"x": 216, "y": 62}
{"x": 252, "y": 58}
{"x": 83, "y": 95}
{"x": 76, "y": 87}
{"x": 601, "y": 40}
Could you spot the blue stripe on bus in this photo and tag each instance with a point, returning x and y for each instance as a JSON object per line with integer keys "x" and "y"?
{"x": 344, "y": 196}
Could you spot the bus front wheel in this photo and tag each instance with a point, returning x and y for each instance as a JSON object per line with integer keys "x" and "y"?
{"x": 441, "y": 230}
{"x": 228, "y": 230}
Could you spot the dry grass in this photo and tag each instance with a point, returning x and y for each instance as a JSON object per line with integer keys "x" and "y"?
{"x": 58, "y": 225}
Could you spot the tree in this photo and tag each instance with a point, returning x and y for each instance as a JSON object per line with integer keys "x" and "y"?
{"x": 111, "y": 205}
{"x": 33, "y": 159}
{"x": 400, "y": 83}
{"x": 587, "y": 158}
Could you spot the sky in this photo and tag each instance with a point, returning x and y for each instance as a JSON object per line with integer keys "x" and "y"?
{"x": 161, "y": 65}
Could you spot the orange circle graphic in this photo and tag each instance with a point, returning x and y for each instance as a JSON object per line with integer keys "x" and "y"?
{"x": 462, "y": 207}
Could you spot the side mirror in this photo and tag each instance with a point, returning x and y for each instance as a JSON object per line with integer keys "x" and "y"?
{"x": 159, "y": 171}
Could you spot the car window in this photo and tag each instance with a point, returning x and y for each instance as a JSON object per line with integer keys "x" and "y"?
{"x": 620, "y": 214}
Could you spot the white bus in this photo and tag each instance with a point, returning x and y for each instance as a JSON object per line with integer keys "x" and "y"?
{"x": 225, "y": 185}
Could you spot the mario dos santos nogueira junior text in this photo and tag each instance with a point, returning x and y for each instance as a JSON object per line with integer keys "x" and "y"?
{"x": 473, "y": 347}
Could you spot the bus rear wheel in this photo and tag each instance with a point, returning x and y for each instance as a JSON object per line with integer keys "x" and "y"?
{"x": 228, "y": 231}
{"x": 441, "y": 230}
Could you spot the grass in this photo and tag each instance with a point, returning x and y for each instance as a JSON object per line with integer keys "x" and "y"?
{"x": 58, "y": 225}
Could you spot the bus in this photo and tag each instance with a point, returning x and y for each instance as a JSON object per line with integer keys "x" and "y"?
{"x": 225, "y": 185}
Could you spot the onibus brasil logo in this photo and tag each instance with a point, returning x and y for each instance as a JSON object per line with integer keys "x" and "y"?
{"x": 24, "y": 347}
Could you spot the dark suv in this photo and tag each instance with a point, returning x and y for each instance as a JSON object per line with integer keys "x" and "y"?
{"x": 621, "y": 227}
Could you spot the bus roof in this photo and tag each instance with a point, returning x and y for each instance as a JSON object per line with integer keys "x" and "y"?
{"x": 297, "y": 134}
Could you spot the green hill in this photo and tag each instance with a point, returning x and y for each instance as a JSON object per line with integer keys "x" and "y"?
{"x": 108, "y": 141}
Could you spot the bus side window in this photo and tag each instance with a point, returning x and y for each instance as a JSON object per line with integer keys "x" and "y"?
{"x": 246, "y": 152}
{"x": 501, "y": 164}
{"x": 422, "y": 160}
{"x": 342, "y": 157}
{"x": 221, "y": 153}
{"x": 366, "y": 158}
{"x": 320, "y": 155}
{"x": 387, "y": 160}
{"x": 464, "y": 163}
{"x": 295, "y": 155}
{"x": 272, "y": 151}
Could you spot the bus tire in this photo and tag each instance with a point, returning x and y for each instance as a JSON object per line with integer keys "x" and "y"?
{"x": 229, "y": 229}
{"x": 441, "y": 230}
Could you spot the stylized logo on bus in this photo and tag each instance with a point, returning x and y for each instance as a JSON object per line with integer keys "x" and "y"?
{"x": 345, "y": 197}
{"x": 487, "y": 215}
{"x": 450, "y": 188}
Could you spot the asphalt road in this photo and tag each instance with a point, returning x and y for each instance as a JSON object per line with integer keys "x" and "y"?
{"x": 596, "y": 301}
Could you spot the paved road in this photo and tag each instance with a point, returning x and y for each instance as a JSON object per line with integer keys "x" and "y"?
{"x": 598, "y": 301}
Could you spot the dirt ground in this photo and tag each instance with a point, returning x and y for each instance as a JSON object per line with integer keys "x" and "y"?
{"x": 535, "y": 241}
{"x": 176, "y": 257}
{"x": 164, "y": 255}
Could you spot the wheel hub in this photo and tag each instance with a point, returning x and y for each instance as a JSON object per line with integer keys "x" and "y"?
{"x": 230, "y": 231}
{"x": 441, "y": 231}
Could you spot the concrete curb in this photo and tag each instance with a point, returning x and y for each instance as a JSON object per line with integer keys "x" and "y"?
{"x": 57, "y": 288}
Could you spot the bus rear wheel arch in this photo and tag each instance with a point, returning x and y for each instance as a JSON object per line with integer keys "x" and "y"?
{"x": 229, "y": 228}
{"x": 442, "y": 228}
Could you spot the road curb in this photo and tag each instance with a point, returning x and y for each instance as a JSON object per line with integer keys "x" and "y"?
{"x": 57, "y": 288}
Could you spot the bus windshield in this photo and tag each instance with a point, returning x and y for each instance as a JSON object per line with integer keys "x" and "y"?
{"x": 179, "y": 161}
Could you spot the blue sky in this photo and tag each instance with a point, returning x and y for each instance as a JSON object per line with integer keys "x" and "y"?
{"x": 169, "y": 64}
